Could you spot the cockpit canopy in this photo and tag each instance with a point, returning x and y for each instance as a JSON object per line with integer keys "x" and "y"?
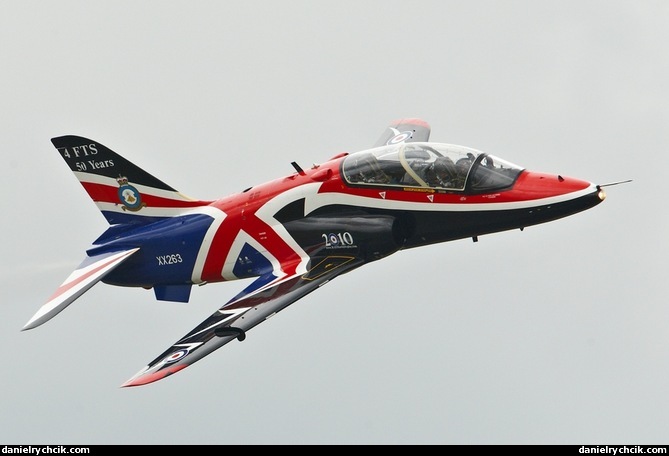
{"x": 432, "y": 165}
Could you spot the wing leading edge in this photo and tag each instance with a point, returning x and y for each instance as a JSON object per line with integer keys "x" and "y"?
{"x": 266, "y": 296}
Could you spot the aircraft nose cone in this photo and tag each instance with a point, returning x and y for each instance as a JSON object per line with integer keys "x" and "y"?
{"x": 601, "y": 193}
{"x": 544, "y": 185}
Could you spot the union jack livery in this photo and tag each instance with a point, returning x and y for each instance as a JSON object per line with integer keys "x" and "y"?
{"x": 296, "y": 233}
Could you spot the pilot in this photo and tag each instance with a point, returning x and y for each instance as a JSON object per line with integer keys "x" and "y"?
{"x": 462, "y": 169}
{"x": 442, "y": 173}
{"x": 370, "y": 170}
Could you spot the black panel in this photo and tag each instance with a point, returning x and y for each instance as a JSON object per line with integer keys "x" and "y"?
{"x": 293, "y": 211}
{"x": 88, "y": 156}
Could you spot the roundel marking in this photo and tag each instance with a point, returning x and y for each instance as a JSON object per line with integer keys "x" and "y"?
{"x": 400, "y": 137}
{"x": 176, "y": 356}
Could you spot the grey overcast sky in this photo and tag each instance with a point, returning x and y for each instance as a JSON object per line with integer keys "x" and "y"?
{"x": 554, "y": 335}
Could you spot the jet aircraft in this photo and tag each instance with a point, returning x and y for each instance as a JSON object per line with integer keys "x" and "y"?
{"x": 298, "y": 232}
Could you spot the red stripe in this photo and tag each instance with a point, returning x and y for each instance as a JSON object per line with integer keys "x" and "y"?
{"x": 241, "y": 216}
{"x": 66, "y": 286}
{"x": 150, "y": 378}
{"x": 109, "y": 194}
{"x": 410, "y": 121}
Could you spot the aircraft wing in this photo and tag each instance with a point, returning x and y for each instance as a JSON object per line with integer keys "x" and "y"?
{"x": 87, "y": 274}
{"x": 266, "y": 296}
{"x": 405, "y": 130}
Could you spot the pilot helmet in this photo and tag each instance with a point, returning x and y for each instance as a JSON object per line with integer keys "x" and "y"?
{"x": 444, "y": 166}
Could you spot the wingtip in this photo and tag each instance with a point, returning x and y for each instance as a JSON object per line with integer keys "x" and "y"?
{"x": 34, "y": 322}
{"x": 143, "y": 377}
{"x": 412, "y": 121}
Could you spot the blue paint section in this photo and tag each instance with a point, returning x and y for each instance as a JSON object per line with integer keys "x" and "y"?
{"x": 114, "y": 218}
{"x": 258, "y": 283}
{"x": 174, "y": 293}
{"x": 168, "y": 250}
{"x": 251, "y": 263}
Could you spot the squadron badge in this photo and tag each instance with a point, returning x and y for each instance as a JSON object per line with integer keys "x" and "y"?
{"x": 129, "y": 195}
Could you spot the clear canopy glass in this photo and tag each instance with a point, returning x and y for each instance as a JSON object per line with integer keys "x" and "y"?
{"x": 432, "y": 165}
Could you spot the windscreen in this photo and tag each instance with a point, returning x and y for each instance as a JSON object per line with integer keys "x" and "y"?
{"x": 492, "y": 173}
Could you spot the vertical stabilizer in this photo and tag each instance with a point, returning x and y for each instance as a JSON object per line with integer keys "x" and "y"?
{"x": 123, "y": 191}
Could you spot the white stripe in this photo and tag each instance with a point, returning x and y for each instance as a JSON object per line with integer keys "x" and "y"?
{"x": 146, "y": 211}
{"x": 143, "y": 189}
{"x": 267, "y": 211}
{"x": 318, "y": 200}
{"x": 218, "y": 216}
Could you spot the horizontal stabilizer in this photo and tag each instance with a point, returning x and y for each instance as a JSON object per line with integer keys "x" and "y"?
{"x": 87, "y": 274}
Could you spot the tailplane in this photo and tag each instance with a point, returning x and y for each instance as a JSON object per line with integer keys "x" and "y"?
{"x": 123, "y": 192}
{"x": 87, "y": 274}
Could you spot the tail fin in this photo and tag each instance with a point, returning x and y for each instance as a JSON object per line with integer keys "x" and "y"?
{"x": 123, "y": 192}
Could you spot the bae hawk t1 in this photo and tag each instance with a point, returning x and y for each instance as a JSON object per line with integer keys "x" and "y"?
{"x": 298, "y": 232}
